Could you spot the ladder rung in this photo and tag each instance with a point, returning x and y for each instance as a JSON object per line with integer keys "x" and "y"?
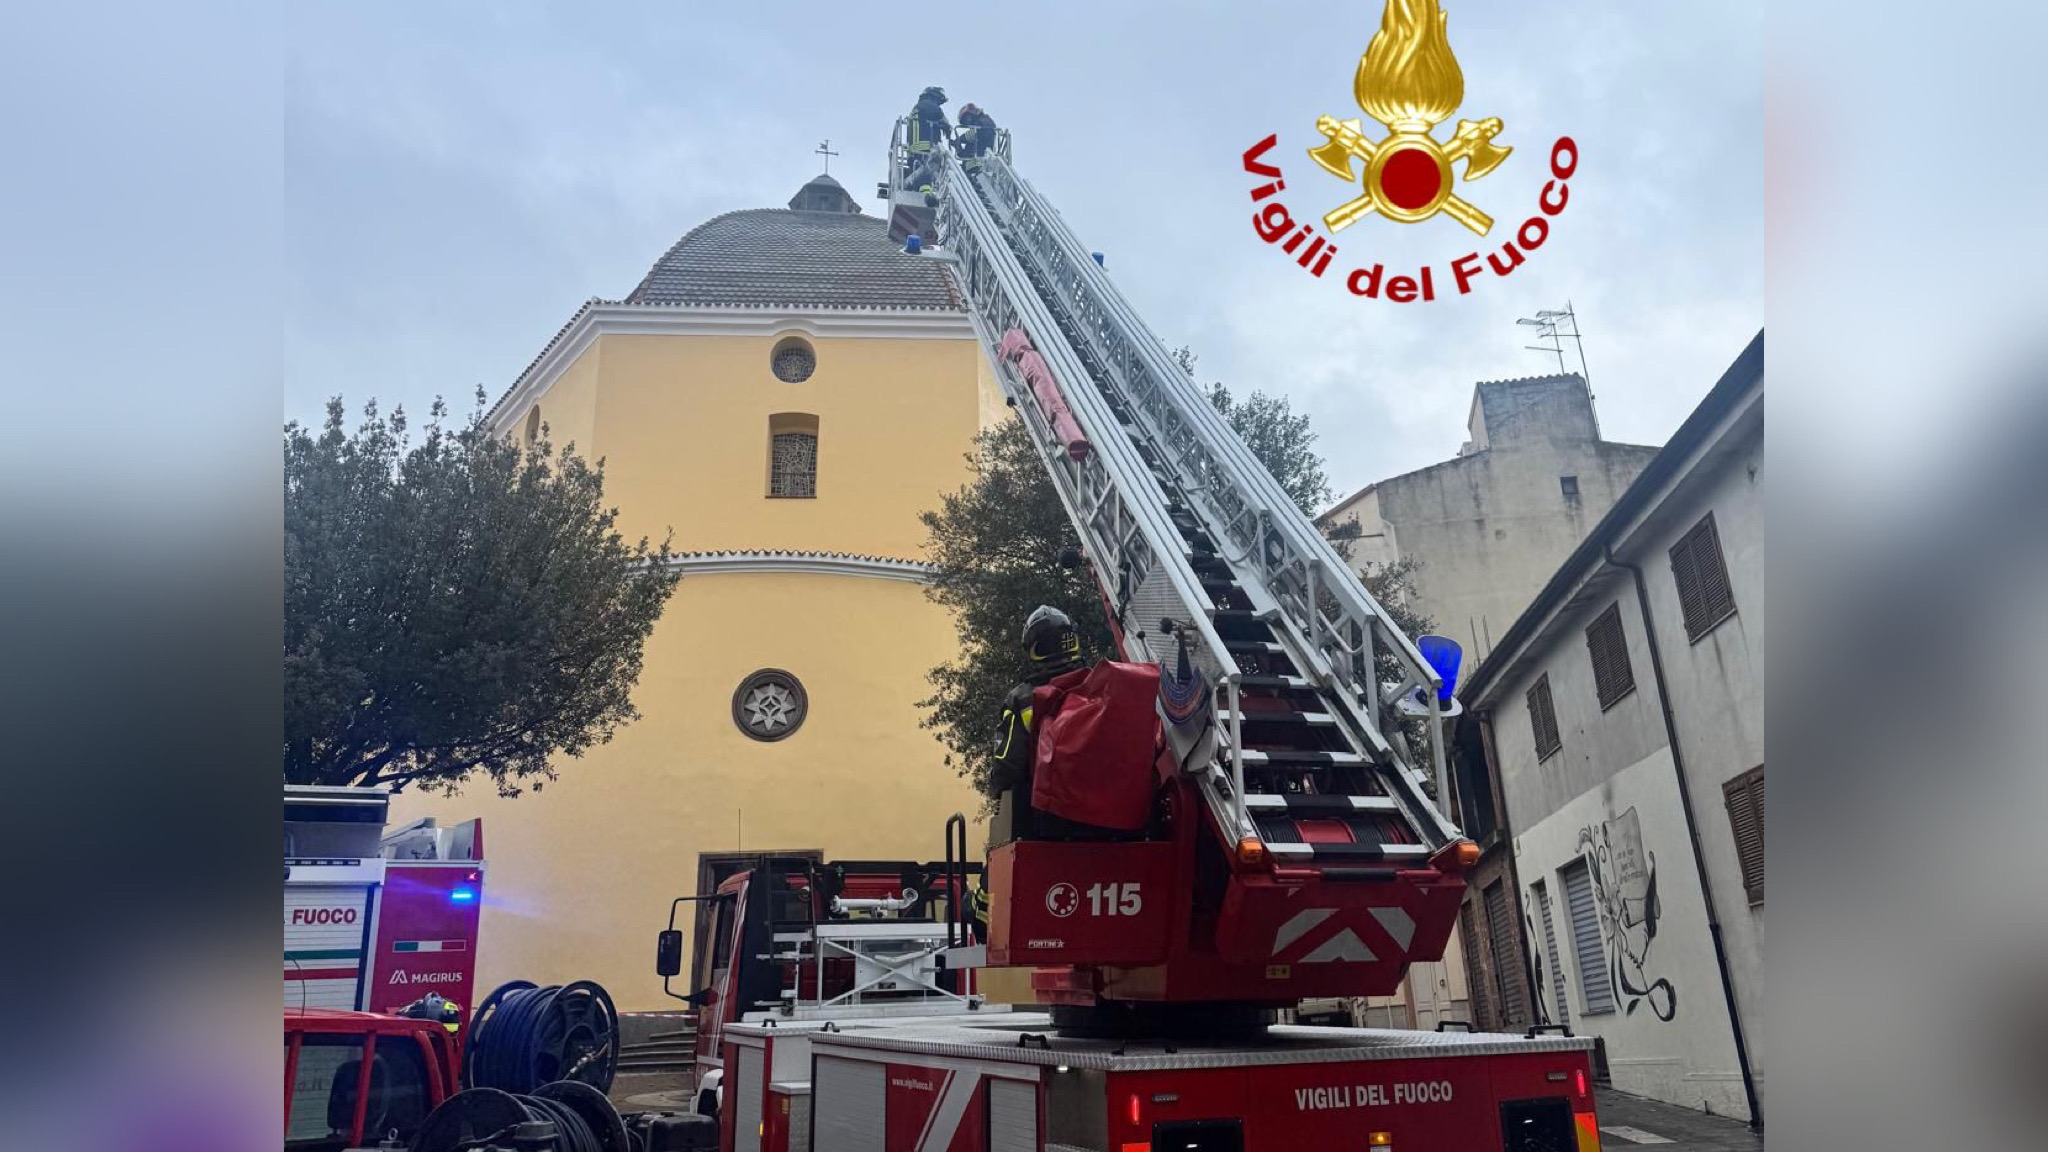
{"x": 1295, "y": 802}
{"x": 1263, "y": 758}
{"x": 1309, "y": 718}
{"x": 1296, "y": 682}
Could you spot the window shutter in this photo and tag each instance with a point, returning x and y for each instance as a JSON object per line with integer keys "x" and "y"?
{"x": 1500, "y": 941}
{"x": 1745, "y": 797}
{"x": 1594, "y": 983}
{"x": 1543, "y": 718}
{"x": 1541, "y": 895}
{"x": 1475, "y": 977}
{"x": 1613, "y": 676}
{"x": 1701, "y": 574}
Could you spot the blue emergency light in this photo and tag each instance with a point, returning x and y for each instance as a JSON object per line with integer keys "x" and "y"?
{"x": 463, "y": 895}
{"x": 1443, "y": 655}
{"x": 913, "y": 244}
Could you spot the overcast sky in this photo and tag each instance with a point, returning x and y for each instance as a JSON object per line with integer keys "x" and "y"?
{"x": 459, "y": 177}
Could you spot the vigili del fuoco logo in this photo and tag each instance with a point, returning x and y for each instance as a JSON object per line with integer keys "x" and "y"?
{"x": 1409, "y": 81}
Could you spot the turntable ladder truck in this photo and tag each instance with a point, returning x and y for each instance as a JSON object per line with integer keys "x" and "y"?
{"x": 1294, "y": 849}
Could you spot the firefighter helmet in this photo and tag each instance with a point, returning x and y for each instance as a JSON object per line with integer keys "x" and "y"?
{"x": 1050, "y": 638}
{"x": 935, "y": 92}
{"x": 967, "y": 110}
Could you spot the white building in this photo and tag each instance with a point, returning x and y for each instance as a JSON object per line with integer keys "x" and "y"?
{"x": 1488, "y": 526}
{"x": 1485, "y": 529}
{"x": 1623, "y": 713}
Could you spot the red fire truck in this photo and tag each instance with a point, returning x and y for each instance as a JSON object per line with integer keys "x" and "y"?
{"x": 374, "y": 921}
{"x": 834, "y": 1022}
{"x": 1233, "y": 814}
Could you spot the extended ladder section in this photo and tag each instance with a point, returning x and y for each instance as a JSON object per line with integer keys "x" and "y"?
{"x": 1194, "y": 543}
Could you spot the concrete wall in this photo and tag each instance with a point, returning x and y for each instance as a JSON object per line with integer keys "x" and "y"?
{"x": 1667, "y": 1033}
{"x": 1717, "y": 690}
{"x": 1610, "y": 794}
{"x": 1489, "y": 527}
{"x": 581, "y": 871}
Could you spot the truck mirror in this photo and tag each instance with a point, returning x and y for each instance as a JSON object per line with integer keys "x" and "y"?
{"x": 668, "y": 953}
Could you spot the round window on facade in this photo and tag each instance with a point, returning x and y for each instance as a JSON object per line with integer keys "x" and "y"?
{"x": 770, "y": 704}
{"x": 793, "y": 360}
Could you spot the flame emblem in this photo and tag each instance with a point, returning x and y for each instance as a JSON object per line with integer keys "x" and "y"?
{"x": 1409, "y": 81}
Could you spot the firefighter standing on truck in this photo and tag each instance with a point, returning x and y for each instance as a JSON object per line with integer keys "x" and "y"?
{"x": 1054, "y": 648}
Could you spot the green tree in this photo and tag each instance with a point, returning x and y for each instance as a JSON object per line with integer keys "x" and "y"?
{"x": 996, "y": 545}
{"x": 453, "y": 608}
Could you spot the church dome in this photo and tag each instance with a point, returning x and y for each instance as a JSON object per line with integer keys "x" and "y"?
{"x": 820, "y": 252}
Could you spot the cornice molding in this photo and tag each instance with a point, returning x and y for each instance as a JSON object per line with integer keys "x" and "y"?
{"x": 601, "y": 318}
{"x": 800, "y": 563}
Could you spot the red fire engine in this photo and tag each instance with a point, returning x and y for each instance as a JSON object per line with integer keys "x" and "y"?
{"x": 1233, "y": 814}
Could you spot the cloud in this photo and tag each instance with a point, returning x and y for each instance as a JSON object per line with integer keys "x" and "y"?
{"x": 462, "y": 177}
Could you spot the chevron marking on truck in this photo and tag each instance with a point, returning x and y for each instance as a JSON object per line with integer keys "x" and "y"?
{"x": 1298, "y": 925}
{"x": 1398, "y": 924}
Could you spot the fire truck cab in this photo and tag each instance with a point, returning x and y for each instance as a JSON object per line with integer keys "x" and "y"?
{"x": 351, "y": 1079}
{"x": 798, "y": 944}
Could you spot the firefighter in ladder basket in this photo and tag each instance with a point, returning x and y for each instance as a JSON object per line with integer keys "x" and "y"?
{"x": 927, "y": 128}
{"x": 976, "y": 138}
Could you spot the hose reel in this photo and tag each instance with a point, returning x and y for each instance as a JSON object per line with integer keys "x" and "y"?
{"x": 524, "y": 1036}
{"x": 566, "y": 1116}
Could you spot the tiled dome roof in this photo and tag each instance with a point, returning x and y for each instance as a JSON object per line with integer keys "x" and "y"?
{"x": 765, "y": 257}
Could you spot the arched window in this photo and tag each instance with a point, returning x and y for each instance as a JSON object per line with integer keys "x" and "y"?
{"x": 533, "y": 426}
{"x": 792, "y": 456}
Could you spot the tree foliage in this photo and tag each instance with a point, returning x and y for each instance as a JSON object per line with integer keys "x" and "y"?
{"x": 996, "y": 545}
{"x": 456, "y": 607}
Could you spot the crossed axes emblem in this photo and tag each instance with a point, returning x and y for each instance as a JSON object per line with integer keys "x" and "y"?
{"x": 1411, "y": 150}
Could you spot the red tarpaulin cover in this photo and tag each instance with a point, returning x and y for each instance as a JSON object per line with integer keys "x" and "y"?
{"x": 1016, "y": 347}
{"x": 1097, "y": 732}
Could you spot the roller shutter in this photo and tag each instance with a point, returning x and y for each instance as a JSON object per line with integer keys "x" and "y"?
{"x": 1591, "y": 958}
{"x": 847, "y": 1102}
{"x": 1012, "y": 1116}
{"x": 325, "y": 929}
{"x": 1541, "y": 895}
{"x": 745, "y": 1093}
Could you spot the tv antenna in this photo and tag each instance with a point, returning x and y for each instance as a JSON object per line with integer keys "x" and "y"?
{"x": 1553, "y": 327}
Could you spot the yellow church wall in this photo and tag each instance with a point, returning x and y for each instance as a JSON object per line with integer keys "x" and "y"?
{"x": 684, "y": 422}
{"x": 569, "y": 409}
{"x": 581, "y": 872}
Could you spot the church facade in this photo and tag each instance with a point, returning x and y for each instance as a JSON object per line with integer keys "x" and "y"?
{"x": 784, "y": 393}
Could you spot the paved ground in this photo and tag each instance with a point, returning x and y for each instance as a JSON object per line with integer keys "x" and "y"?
{"x": 1632, "y": 1122}
{"x": 652, "y": 1092}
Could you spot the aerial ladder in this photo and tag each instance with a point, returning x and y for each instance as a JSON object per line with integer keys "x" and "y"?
{"x": 1305, "y": 855}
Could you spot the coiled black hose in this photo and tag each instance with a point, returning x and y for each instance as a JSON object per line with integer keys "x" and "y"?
{"x": 486, "y": 1118}
{"x": 524, "y": 1036}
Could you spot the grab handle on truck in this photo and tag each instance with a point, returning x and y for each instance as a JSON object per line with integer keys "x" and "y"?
{"x": 1454, "y": 1025}
{"x": 1537, "y": 1029}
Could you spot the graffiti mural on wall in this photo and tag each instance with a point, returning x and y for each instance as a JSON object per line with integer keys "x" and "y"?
{"x": 1625, "y": 884}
